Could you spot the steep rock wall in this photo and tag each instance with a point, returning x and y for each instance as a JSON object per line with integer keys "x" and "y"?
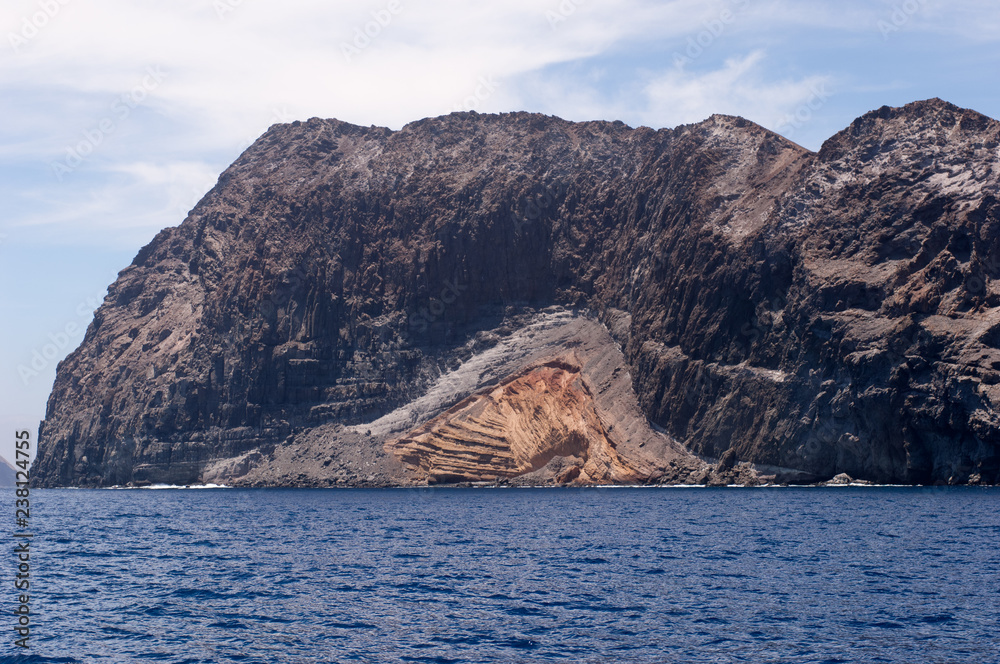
{"x": 829, "y": 312}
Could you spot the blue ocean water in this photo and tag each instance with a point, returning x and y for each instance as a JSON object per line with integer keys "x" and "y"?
{"x": 514, "y": 575}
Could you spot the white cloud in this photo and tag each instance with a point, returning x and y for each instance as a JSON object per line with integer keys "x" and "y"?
{"x": 228, "y": 78}
{"x": 122, "y": 205}
{"x": 740, "y": 87}
{"x": 261, "y": 54}
{"x": 180, "y": 184}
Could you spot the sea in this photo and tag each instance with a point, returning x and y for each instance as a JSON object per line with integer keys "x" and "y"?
{"x": 446, "y": 575}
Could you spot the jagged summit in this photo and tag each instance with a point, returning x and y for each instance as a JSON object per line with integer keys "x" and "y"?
{"x": 572, "y": 302}
{"x": 929, "y": 122}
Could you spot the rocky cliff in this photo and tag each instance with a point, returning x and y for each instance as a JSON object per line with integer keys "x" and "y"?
{"x": 518, "y": 298}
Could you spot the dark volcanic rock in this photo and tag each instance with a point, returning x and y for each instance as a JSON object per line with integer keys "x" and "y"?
{"x": 341, "y": 287}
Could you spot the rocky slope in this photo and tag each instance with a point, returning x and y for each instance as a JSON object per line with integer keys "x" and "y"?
{"x": 518, "y": 298}
{"x": 8, "y": 474}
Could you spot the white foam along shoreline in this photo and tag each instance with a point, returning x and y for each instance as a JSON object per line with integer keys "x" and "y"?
{"x": 163, "y": 487}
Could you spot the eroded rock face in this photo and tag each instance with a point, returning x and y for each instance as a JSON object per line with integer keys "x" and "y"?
{"x": 516, "y": 428}
{"x": 727, "y": 294}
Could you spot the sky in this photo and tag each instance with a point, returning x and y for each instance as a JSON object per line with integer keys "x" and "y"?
{"x": 119, "y": 115}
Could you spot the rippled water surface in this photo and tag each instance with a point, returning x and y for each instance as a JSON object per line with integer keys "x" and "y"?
{"x": 505, "y": 575}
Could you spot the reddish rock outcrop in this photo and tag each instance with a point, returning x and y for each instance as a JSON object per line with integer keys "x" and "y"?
{"x": 516, "y": 428}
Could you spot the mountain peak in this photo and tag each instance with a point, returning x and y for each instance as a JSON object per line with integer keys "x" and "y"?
{"x": 930, "y": 120}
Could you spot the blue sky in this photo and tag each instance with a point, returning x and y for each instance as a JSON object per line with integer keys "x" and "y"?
{"x": 118, "y": 115}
